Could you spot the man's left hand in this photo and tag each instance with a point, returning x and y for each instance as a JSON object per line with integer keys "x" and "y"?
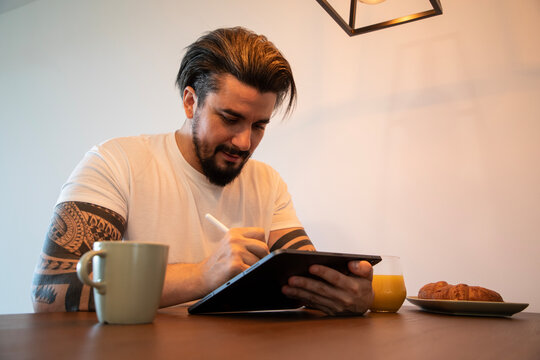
{"x": 335, "y": 293}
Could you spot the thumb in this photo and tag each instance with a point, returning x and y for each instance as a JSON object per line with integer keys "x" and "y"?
{"x": 361, "y": 269}
{"x": 256, "y": 233}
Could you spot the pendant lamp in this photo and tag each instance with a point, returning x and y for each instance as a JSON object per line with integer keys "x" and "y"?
{"x": 365, "y": 6}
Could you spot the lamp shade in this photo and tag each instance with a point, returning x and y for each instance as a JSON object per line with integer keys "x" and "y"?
{"x": 350, "y": 26}
{"x": 371, "y": 2}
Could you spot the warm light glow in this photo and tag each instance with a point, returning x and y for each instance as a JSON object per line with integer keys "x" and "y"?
{"x": 371, "y": 2}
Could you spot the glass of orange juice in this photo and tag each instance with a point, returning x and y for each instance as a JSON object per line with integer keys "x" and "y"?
{"x": 388, "y": 285}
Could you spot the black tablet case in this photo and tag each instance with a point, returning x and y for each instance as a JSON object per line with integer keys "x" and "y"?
{"x": 259, "y": 287}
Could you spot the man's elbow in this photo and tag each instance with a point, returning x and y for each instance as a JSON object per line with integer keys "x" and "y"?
{"x": 41, "y": 307}
{"x": 47, "y": 298}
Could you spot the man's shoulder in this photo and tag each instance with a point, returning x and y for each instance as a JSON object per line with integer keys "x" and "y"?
{"x": 134, "y": 145}
{"x": 145, "y": 140}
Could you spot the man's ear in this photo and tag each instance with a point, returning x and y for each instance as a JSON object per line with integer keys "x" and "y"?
{"x": 189, "y": 99}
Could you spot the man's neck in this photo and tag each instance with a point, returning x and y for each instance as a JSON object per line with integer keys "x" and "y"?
{"x": 184, "y": 141}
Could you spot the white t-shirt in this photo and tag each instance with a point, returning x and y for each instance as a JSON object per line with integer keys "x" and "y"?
{"x": 147, "y": 181}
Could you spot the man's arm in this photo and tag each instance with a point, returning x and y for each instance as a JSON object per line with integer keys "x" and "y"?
{"x": 74, "y": 228}
{"x": 335, "y": 293}
{"x": 239, "y": 249}
{"x": 291, "y": 238}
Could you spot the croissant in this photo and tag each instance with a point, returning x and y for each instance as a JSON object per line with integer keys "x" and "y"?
{"x": 444, "y": 291}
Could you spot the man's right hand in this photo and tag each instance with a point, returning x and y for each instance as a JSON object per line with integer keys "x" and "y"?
{"x": 238, "y": 250}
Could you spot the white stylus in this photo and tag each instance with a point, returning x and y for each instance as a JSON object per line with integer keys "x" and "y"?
{"x": 216, "y": 222}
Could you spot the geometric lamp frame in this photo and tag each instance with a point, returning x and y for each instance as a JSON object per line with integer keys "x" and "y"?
{"x": 350, "y": 26}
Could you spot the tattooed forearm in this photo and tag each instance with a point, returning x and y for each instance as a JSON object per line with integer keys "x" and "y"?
{"x": 295, "y": 239}
{"x": 74, "y": 229}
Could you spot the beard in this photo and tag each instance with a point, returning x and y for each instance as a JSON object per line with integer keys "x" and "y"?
{"x": 217, "y": 175}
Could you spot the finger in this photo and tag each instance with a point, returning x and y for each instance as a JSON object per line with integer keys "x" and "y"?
{"x": 333, "y": 277}
{"x": 245, "y": 267}
{"x": 256, "y": 233}
{"x": 257, "y": 248}
{"x": 236, "y": 265}
{"x": 320, "y": 288}
{"x": 322, "y": 308}
{"x": 243, "y": 237}
{"x": 345, "y": 289}
{"x": 238, "y": 253}
{"x": 311, "y": 299}
{"x": 248, "y": 258}
{"x": 226, "y": 270}
{"x": 361, "y": 269}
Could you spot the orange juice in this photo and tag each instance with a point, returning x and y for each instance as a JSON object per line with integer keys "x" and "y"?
{"x": 389, "y": 293}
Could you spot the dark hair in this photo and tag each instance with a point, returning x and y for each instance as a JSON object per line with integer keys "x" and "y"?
{"x": 249, "y": 57}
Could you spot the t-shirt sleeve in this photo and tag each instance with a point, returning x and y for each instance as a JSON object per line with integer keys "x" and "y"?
{"x": 284, "y": 215}
{"x": 101, "y": 178}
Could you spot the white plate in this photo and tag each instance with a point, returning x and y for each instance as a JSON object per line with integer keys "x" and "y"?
{"x": 471, "y": 308}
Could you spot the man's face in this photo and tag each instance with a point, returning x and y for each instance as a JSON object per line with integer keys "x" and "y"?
{"x": 228, "y": 127}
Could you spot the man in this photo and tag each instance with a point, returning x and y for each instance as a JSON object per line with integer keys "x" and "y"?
{"x": 159, "y": 187}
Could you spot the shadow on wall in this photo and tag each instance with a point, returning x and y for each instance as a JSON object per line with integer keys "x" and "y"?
{"x": 8, "y": 5}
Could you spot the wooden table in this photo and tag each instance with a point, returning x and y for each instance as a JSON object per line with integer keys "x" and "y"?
{"x": 302, "y": 335}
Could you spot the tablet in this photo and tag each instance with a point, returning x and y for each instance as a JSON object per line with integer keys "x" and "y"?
{"x": 259, "y": 287}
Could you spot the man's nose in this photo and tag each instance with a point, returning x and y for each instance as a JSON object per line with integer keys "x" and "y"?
{"x": 242, "y": 139}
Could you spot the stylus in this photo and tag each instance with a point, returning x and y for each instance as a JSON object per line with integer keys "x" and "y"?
{"x": 217, "y": 223}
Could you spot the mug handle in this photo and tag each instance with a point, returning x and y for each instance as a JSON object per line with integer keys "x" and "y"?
{"x": 82, "y": 270}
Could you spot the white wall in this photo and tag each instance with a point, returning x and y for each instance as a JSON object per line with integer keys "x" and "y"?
{"x": 421, "y": 140}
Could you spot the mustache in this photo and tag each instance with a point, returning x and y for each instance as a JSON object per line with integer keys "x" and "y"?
{"x": 232, "y": 150}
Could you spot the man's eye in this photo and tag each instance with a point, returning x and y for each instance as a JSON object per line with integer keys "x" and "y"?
{"x": 228, "y": 120}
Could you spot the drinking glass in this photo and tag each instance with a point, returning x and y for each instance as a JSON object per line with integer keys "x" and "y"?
{"x": 388, "y": 285}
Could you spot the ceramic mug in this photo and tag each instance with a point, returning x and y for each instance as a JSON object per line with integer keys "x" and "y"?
{"x": 128, "y": 279}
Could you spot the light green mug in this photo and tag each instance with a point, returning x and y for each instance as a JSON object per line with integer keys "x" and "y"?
{"x": 128, "y": 279}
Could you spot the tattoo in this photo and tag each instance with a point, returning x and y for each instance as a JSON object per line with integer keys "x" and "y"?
{"x": 301, "y": 243}
{"x": 44, "y": 294}
{"x": 76, "y": 226}
{"x": 74, "y": 229}
{"x": 295, "y": 239}
{"x": 53, "y": 265}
